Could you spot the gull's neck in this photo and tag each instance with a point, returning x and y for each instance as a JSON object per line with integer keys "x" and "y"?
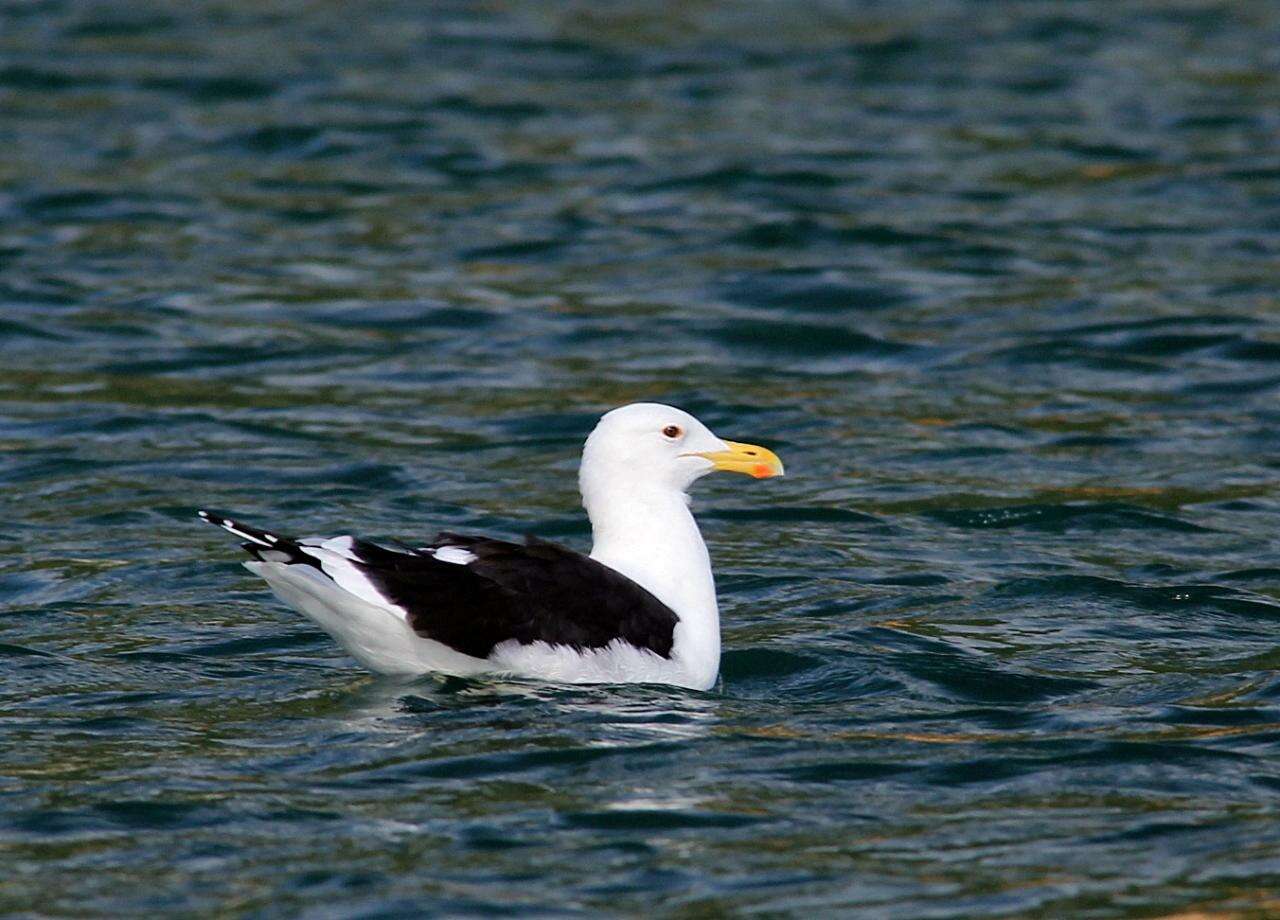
{"x": 649, "y": 535}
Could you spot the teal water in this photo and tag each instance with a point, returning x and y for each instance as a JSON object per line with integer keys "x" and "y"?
{"x": 997, "y": 280}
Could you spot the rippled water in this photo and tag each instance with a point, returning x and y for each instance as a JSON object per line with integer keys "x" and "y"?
{"x": 998, "y": 281}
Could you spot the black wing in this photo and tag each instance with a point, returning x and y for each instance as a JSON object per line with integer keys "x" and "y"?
{"x": 531, "y": 592}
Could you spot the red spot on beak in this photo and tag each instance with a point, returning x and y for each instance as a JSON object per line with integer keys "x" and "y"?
{"x": 760, "y": 471}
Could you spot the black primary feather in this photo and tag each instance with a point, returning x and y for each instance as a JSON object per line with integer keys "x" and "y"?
{"x": 263, "y": 545}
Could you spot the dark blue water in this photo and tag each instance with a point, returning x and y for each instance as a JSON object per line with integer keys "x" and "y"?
{"x": 997, "y": 280}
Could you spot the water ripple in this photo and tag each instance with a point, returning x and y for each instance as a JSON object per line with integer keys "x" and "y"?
{"x": 999, "y": 286}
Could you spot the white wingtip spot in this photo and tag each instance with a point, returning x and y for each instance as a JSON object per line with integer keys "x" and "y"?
{"x": 230, "y": 527}
{"x": 455, "y": 554}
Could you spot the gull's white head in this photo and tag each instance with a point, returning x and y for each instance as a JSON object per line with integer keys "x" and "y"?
{"x": 649, "y": 445}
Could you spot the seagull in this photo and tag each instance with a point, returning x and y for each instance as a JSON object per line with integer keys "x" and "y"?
{"x": 641, "y": 608}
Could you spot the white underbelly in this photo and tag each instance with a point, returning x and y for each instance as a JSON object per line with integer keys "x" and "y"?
{"x": 618, "y": 663}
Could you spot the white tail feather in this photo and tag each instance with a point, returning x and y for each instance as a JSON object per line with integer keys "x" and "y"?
{"x": 373, "y": 634}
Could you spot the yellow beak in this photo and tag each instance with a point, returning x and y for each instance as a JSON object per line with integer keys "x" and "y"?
{"x": 759, "y": 462}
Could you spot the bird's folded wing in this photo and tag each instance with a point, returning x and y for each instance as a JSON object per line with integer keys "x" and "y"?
{"x": 503, "y": 591}
{"x": 473, "y": 594}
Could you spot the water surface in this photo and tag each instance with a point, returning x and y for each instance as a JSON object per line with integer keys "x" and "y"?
{"x": 997, "y": 280}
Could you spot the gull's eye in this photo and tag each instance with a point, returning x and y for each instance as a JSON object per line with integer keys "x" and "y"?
{"x": 672, "y": 432}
